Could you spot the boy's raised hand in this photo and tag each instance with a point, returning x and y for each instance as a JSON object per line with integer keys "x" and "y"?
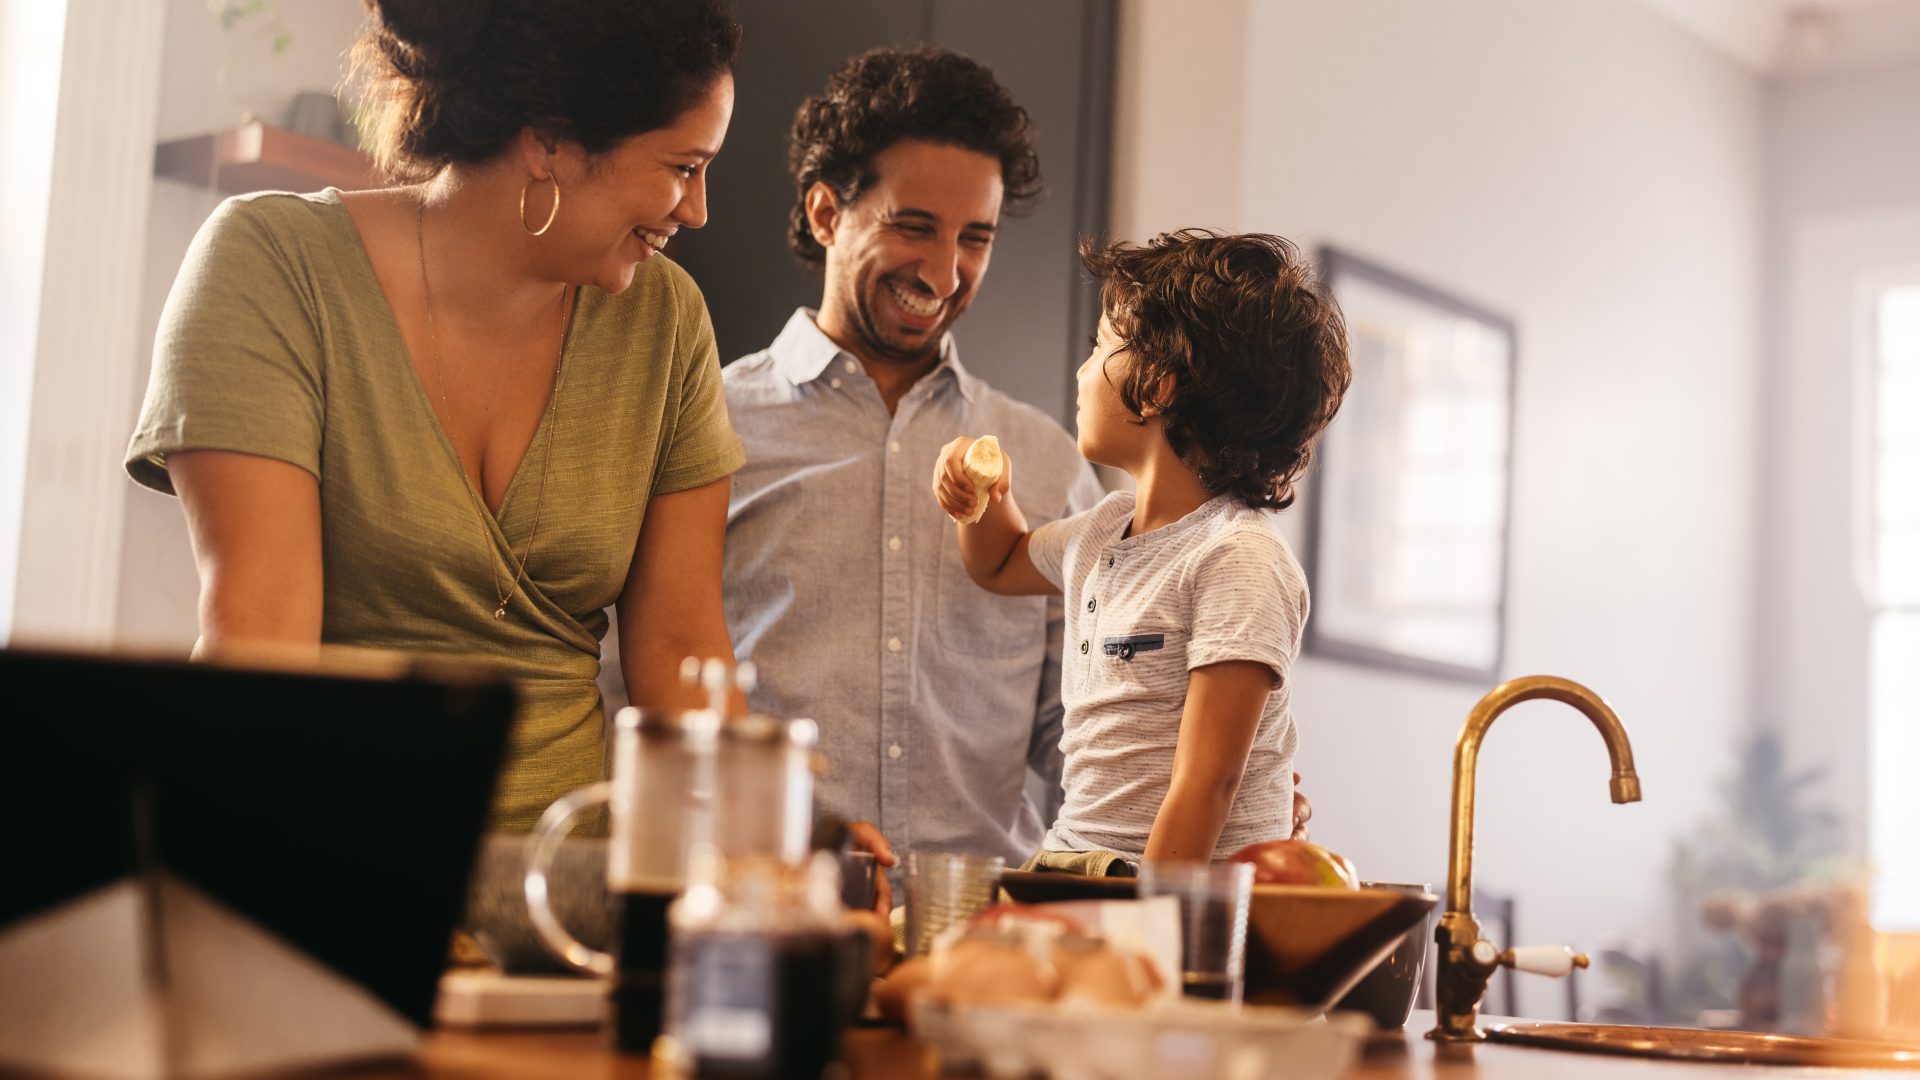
{"x": 958, "y": 474}
{"x": 973, "y": 484}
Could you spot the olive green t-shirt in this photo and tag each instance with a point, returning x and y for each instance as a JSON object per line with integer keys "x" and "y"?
{"x": 277, "y": 341}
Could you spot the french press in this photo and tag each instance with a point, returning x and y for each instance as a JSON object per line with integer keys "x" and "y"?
{"x": 683, "y": 781}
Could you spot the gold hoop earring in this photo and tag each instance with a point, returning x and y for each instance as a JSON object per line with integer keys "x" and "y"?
{"x": 551, "y": 214}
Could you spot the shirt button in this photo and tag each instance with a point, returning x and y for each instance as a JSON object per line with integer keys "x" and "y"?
{"x": 1109, "y": 560}
{"x": 894, "y": 446}
{"x": 894, "y": 751}
{"x": 1090, "y": 605}
{"x": 850, "y": 367}
{"x": 893, "y": 544}
{"x": 1083, "y": 648}
{"x": 835, "y": 384}
{"x": 894, "y": 645}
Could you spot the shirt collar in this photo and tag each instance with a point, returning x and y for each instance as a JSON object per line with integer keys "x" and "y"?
{"x": 1171, "y": 532}
{"x": 803, "y": 352}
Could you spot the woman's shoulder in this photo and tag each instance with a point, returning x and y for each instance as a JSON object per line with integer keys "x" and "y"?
{"x": 659, "y": 309}
{"x": 246, "y": 234}
{"x": 645, "y": 342}
{"x": 279, "y": 212}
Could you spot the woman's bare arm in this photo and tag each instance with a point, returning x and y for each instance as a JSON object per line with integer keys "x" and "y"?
{"x": 670, "y": 607}
{"x": 255, "y": 527}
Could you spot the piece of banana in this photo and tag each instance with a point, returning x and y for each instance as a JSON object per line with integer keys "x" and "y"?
{"x": 984, "y": 465}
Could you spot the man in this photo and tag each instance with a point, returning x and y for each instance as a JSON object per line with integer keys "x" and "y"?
{"x": 936, "y": 700}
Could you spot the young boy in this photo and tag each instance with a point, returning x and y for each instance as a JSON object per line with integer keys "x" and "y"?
{"x": 1218, "y": 362}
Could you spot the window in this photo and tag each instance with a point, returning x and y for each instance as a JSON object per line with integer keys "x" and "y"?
{"x": 1893, "y": 593}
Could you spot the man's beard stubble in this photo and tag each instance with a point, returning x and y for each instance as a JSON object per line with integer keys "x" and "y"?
{"x": 869, "y": 330}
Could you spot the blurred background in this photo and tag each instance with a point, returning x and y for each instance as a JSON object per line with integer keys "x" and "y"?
{"x": 1698, "y": 221}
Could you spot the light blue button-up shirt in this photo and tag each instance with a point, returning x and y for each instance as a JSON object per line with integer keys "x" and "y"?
{"x": 844, "y": 586}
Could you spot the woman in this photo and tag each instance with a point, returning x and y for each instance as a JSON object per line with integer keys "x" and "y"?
{"x": 467, "y": 414}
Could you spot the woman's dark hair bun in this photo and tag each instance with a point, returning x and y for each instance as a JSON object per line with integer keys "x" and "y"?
{"x": 434, "y": 38}
{"x": 447, "y": 82}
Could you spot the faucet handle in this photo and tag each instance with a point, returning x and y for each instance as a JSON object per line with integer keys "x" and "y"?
{"x": 1552, "y": 961}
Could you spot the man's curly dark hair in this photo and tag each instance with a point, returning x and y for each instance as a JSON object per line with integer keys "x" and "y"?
{"x": 884, "y": 95}
{"x": 1236, "y": 344}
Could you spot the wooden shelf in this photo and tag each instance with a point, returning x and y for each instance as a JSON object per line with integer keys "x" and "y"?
{"x": 260, "y": 157}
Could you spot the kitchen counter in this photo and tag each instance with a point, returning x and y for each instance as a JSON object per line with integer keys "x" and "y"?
{"x": 884, "y": 1054}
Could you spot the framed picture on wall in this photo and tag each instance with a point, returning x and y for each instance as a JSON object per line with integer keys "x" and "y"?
{"x": 1408, "y": 503}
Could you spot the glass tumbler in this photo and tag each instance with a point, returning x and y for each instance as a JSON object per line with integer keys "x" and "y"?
{"x": 943, "y": 889}
{"x": 1213, "y": 922}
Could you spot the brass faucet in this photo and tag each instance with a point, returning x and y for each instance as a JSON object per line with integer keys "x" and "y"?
{"x": 1466, "y": 960}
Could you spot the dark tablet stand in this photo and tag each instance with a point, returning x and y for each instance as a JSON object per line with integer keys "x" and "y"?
{"x": 232, "y": 870}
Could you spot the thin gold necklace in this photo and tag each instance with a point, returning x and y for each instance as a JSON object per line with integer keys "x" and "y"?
{"x": 446, "y": 421}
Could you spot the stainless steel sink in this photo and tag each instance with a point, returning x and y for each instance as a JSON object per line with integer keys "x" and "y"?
{"x": 1701, "y": 1044}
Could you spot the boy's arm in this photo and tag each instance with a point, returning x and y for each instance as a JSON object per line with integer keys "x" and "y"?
{"x": 994, "y": 549}
{"x": 1224, "y": 703}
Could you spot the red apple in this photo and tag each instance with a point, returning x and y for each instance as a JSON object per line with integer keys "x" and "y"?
{"x": 1297, "y": 862}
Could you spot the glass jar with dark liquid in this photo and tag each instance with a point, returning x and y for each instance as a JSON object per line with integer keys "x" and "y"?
{"x": 690, "y": 780}
{"x": 757, "y": 957}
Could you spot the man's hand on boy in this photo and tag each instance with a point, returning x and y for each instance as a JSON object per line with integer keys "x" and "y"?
{"x": 954, "y": 491}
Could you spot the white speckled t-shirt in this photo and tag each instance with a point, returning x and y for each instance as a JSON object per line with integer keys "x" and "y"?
{"x": 1142, "y": 612}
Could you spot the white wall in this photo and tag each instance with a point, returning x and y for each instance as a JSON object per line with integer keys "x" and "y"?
{"x": 158, "y": 586}
{"x": 67, "y": 502}
{"x": 1593, "y": 172}
{"x": 1175, "y": 164}
{"x": 31, "y": 37}
{"x": 1843, "y": 201}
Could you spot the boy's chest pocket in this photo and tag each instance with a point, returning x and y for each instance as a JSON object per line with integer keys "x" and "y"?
{"x": 1127, "y": 647}
{"x": 1145, "y": 659}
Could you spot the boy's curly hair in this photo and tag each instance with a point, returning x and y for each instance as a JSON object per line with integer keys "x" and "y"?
{"x": 1237, "y": 345}
{"x": 888, "y": 94}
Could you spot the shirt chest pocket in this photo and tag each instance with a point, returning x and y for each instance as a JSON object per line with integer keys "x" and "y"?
{"x": 1148, "y": 660}
{"x": 975, "y": 622}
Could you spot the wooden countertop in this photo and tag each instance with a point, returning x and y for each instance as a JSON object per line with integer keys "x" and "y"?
{"x": 884, "y": 1054}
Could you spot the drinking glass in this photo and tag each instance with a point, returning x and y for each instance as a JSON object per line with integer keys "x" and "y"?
{"x": 1213, "y": 922}
{"x": 943, "y": 889}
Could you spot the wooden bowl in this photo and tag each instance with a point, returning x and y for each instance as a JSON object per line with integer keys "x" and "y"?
{"x": 1306, "y": 945}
